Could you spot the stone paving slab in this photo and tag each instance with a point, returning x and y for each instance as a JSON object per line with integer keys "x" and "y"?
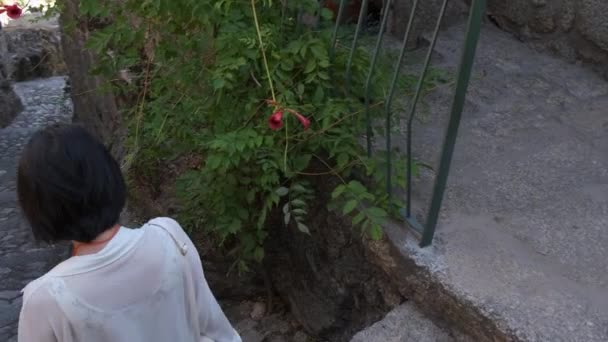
{"x": 21, "y": 259}
{"x": 405, "y": 324}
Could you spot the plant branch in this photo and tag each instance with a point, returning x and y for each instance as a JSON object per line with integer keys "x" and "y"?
{"x": 329, "y": 168}
{"x": 259, "y": 33}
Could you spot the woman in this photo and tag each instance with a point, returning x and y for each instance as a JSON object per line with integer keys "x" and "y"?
{"x": 120, "y": 285}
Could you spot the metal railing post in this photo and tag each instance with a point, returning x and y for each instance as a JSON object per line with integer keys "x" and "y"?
{"x": 462, "y": 82}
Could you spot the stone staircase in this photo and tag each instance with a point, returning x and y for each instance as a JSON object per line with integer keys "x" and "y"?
{"x": 521, "y": 252}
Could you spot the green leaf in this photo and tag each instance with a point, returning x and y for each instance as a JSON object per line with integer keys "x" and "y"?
{"x": 287, "y": 218}
{"x": 298, "y": 203}
{"x": 377, "y": 213}
{"x": 323, "y": 75}
{"x": 301, "y": 162}
{"x": 342, "y": 159}
{"x": 349, "y": 207}
{"x": 318, "y": 96}
{"x": 310, "y": 66}
{"x": 338, "y": 191}
{"x": 366, "y": 225}
{"x": 250, "y": 196}
{"x": 234, "y": 226}
{"x": 213, "y": 162}
{"x": 368, "y": 196}
{"x": 242, "y": 213}
{"x": 303, "y": 228}
{"x": 358, "y": 218}
{"x": 218, "y": 83}
{"x": 258, "y": 254}
{"x": 357, "y": 187}
{"x": 282, "y": 191}
{"x": 261, "y": 235}
{"x": 319, "y": 52}
{"x": 287, "y": 64}
{"x": 375, "y": 232}
{"x": 243, "y": 266}
{"x": 298, "y": 188}
{"x": 327, "y": 14}
{"x": 299, "y": 211}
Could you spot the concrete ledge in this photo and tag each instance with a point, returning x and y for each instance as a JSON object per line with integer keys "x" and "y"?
{"x": 418, "y": 273}
{"x": 493, "y": 298}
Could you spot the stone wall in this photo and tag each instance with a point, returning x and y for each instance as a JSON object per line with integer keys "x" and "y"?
{"x": 32, "y": 52}
{"x": 29, "y": 49}
{"x": 427, "y": 13}
{"x": 573, "y": 29}
{"x": 10, "y": 104}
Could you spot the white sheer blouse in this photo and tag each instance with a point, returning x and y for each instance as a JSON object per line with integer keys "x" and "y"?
{"x": 145, "y": 285}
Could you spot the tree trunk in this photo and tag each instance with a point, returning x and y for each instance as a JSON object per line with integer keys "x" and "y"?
{"x": 94, "y": 107}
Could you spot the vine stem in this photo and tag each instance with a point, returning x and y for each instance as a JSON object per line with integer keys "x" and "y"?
{"x": 259, "y": 33}
{"x": 142, "y": 100}
{"x": 267, "y": 68}
{"x": 330, "y": 168}
{"x": 286, "y": 147}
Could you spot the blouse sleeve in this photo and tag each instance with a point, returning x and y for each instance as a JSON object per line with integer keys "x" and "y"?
{"x": 214, "y": 324}
{"x": 212, "y": 321}
{"x": 34, "y": 320}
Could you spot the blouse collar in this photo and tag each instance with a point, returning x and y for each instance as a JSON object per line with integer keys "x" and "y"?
{"x": 122, "y": 243}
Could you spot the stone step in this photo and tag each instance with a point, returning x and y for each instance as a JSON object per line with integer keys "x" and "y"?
{"x": 405, "y": 324}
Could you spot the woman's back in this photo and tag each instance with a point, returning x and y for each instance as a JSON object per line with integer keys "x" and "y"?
{"x": 146, "y": 285}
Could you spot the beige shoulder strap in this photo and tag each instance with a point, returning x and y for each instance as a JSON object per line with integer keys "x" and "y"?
{"x": 182, "y": 246}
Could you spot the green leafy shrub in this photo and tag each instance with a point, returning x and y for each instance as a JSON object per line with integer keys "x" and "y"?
{"x": 208, "y": 79}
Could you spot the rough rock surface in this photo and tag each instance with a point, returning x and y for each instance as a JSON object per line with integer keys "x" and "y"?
{"x": 31, "y": 51}
{"x": 592, "y": 22}
{"x": 330, "y": 286}
{"x": 277, "y": 326}
{"x": 426, "y": 17}
{"x": 22, "y": 260}
{"x": 10, "y": 104}
{"x": 98, "y": 111}
{"x": 574, "y": 29}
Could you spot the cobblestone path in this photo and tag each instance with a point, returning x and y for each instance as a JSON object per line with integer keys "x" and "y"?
{"x": 21, "y": 259}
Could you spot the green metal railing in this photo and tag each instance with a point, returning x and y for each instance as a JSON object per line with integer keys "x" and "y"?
{"x": 477, "y": 8}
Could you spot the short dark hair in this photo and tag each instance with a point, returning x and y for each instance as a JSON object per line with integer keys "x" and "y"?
{"x": 69, "y": 185}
